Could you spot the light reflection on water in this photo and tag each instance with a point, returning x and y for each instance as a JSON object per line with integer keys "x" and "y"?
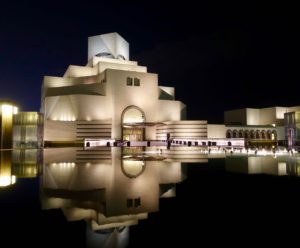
{"x": 112, "y": 190}
{"x": 269, "y": 165}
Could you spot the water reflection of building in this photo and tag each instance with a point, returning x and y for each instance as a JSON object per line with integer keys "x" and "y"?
{"x": 19, "y": 164}
{"x": 6, "y": 176}
{"x": 107, "y": 190}
{"x": 280, "y": 166}
{"x": 27, "y": 163}
{"x": 293, "y": 166}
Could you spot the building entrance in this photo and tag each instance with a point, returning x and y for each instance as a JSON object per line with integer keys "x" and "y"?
{"x": 132, "y": 124}
{"x": 133, "y": 134}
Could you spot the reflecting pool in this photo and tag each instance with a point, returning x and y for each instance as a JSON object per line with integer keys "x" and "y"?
{"x": 113, "y": 197}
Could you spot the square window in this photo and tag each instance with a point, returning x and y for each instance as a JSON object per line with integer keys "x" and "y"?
{"x": 137, "y": 202}
{"x": 136, "y": 82}
{"x": 129, "y": 81}
{"x": 129, "y": 203}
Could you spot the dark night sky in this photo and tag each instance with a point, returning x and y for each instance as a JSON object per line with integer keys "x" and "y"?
{"x": 219, "y": 56}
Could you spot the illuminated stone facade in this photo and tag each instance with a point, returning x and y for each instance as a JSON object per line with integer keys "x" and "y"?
{"x": 27, "y": 130}
{"x": 19, "y": 163}
{"x": 7, "y": 112}
{"x": 273, "y": 126}
{"x": 111, "y": 97}
{"x": 292, "y": 128}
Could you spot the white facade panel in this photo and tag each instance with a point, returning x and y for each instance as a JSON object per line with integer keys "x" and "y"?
{"x": 59, "y": 130}
{"x": 111, "y": 43}
{"x": 216, "y": 131}
{"x": 252, "y": 116}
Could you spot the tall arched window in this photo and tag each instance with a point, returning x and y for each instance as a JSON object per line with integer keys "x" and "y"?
{"x": 274, "y": 135}
{"x": 228, "y": 134}
{"x": 241, "y": 134}
{"x": 133, "y": 118}
{"x": 247, "y": 134}
{"x": 235, "y": 134}
{"x": 269, "y": 135}
{"x": 263, "y": 134}
{"x": 252, "y": 134}
{"x": 257, "y": 134}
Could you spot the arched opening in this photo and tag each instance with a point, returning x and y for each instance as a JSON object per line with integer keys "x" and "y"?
{"x": 252, "y": 134}
{"x": 228, "y": 134}
{"x": 235, "y": 134}
{"x": 104, "y": 54}
{"x": 257, "y": 134}
{"x": 132, "y": 124}
{"x": 269, "y": 135}
{"x": 263, "y": 134}
{"x": 133, "y": 168}
{"x": 119, "y": 56}
{"x": 241, "y": 134}
{"x": 247, "y": 134}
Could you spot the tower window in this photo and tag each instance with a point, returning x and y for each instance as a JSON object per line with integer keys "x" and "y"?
{"x": 137, "y": 202}
{"x": 136, "y": 82}
{"x": 133, "y": 203}
{"x": 129, "y": 81}
{"x": 129, "y": 203}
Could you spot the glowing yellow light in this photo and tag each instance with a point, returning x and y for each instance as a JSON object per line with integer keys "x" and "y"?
{"x": 133, "y": 116}
{"x": 15, "y": 111}
{"x": 7, "y": 180}
{"x": 64, "y": 118}
{"x": 281, "y": 168}
{"x": 13, "y": 179}
{"x": 7, "y": 109}
{"x": 133, "y": 168}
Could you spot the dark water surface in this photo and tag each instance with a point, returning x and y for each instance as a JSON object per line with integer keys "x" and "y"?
{"x": 235, "y": 201}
